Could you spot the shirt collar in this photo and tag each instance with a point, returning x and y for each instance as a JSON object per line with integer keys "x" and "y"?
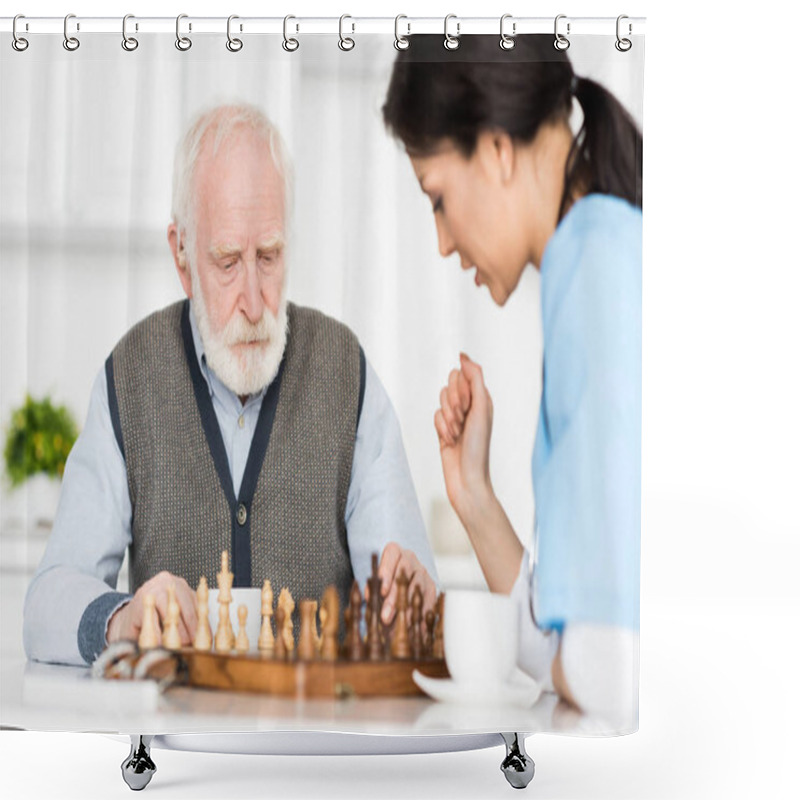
{"x": 215, "y": 386}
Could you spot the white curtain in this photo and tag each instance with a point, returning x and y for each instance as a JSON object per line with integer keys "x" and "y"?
{"x": 87, "y": 145}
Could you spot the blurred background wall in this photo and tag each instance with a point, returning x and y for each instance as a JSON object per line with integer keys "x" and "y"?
{"x": 87, "y": 146}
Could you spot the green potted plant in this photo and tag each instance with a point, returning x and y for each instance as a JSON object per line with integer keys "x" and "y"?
{"x": 38, "y": 440}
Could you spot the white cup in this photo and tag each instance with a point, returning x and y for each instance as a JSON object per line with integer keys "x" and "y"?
{"x": 480, "y": 637}
{"x": 247, "y": 596}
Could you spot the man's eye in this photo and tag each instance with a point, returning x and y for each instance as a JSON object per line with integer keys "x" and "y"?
{"x": 228, "y": 265}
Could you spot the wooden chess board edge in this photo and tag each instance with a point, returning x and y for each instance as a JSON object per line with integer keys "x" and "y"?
{"x": 306, "y": 679}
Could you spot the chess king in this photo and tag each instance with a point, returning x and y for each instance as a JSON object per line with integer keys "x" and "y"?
{"x": 231, "y": 420}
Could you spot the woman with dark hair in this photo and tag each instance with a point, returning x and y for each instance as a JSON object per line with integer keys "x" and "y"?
{"x": 488, "y": 134}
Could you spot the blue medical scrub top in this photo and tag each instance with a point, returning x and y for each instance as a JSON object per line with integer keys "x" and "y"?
{"x": 587, "y": 454}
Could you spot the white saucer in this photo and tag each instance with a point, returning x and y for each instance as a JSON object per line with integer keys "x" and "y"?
{"x": 521, "y": 691}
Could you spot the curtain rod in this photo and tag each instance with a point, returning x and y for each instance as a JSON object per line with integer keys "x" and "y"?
{"x": 349, "y": 25}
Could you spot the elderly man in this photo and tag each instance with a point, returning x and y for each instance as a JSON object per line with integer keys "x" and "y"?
{"x": 232, "y": 420}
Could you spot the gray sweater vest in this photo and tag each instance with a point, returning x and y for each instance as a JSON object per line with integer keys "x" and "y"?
{"x": 287, "y": 524}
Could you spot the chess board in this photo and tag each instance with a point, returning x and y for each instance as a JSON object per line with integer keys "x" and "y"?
{"x": 363, "y": 661}
{"x": 254, "y": 672}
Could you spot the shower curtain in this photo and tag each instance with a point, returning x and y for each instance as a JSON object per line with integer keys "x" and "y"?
{"x": 88, "y": 136}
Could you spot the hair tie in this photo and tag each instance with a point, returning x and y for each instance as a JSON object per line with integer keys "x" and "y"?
{"x": 573, "y": 85}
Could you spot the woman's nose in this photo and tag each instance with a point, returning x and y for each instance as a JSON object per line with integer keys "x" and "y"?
{"x": 447, "y": 244}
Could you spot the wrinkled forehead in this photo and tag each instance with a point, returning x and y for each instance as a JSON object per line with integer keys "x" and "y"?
{"x": 239, "y": 181}
{"x": 242, "y": 149}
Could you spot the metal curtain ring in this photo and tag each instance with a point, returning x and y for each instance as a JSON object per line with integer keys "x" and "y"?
{"x": 507, "y": 42}
{"x": 451, "y": 42}
{"x": 561, "y": 42}
{"x": 71, "y": 43}
{"x": 18, "y": 42}
{"x": 233, "y": 44}
{"x": 623, "y": 45}
{"x": 129, "y": 43}
{"x": 345, "y": 42}
{"x": 401, "y": 42}
{"x": 290, "y": 44}
{"x": 183, "y": 43}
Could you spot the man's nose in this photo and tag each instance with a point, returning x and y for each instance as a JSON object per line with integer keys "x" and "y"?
{"x": 446, "y": 243}
{"x": 251, "y": 301}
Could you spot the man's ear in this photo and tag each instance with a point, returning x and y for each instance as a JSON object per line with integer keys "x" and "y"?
{"x": 177, "y": 244}
{"x": 496, "y": 149}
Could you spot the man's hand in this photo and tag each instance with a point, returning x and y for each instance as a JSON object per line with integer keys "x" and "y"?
{"x": 126, "y": 622}
{"x": 394, "y": 559}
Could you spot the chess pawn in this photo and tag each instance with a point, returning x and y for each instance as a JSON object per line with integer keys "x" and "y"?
{"x": 202, "y": 638}
{"x": 329, "y": 620}
{"x": 400, "y": 647}
{"x": 266, "y": 640}
{"x": 242, "y": 642}
{"x": 437, "y": 650}
{"x": 149, "y": 634}
{"x": 415, "y": 631}
{"x": 172, "y": 636}
{"x": 306, "y": 646}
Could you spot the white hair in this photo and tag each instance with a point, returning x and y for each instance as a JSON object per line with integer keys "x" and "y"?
{"x": 222, "y": 121}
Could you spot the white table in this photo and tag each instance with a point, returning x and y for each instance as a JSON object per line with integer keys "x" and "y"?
{"x": 59, "y": 698}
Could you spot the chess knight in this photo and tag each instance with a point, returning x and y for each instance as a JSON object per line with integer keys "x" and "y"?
{"x": 231, "y": 420}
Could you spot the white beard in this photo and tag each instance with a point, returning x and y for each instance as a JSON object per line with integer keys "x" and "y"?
{"x": 244, "y": 370}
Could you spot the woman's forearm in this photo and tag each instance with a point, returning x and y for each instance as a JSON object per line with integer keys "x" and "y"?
{"x": 497, "y": 547}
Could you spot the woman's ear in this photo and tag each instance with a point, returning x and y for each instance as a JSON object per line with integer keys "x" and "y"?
{"x": 496, "y": 149}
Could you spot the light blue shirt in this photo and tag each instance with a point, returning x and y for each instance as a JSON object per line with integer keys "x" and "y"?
{"x": 587, "y": 454}
{"x": 92, "y": 527}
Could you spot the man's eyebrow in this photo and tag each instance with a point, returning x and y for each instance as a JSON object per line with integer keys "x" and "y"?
{"x": 224, "y": 250}
{"x": 275, "y": 242}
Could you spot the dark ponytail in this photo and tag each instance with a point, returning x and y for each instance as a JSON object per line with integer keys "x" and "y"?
{"x": 606, "y": 153}
{"x": 437, "y": 95}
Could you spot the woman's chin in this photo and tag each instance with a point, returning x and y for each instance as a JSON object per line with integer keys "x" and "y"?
{"x": 498, "y": 294}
